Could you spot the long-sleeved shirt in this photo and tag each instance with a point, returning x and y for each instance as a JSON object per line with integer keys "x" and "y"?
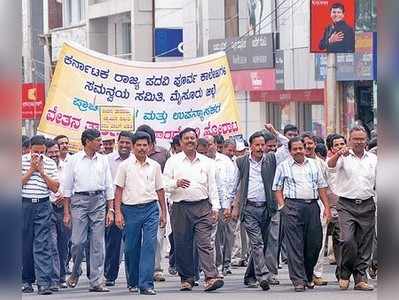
{"x": 224, "y": 174}
{"x": 299, "y": 181}
{"x": 282, "y": 152}
{"x": 85, "y": 174}
{"x": 201, "y": 174}
{"x": 355, "y": 177}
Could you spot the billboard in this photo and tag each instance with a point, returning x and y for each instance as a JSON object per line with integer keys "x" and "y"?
{"x": 32, "y": 100}
{"x": 254, "y": 52}
{"x": 360, "y": 65}
{"x": 332, "y": 24}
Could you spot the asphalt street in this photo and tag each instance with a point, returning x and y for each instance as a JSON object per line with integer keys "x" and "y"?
{"x": 233, "y": 289}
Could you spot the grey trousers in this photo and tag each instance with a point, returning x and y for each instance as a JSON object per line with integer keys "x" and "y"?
{"x": 271, "y": 254}
{"x": 160, "y": 250}
{"x": 88, "y": 225}
{"x": 303, "y": 237}
{"x": 256, "y": 222}
{"x": 224, "y": 242}
{"x": 357, "y": 225}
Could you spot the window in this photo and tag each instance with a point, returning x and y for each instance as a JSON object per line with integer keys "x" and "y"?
{"x": 74, "y": 12}
{"x": 366, "y": 15}
{"x": 231, "y": 18}
{"x": 126, "y": 40}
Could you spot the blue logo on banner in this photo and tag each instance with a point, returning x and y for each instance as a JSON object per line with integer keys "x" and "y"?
{"x": 168, "y": 42}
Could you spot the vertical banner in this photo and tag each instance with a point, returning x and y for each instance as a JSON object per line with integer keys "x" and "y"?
{"x": 168, "y": 96}
{"x": 332, "y": 24}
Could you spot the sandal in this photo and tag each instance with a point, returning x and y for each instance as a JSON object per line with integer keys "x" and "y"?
{"x": 72, "y": 282}
{"x": 186, "y": 286}
{"x": 213, "y": 284}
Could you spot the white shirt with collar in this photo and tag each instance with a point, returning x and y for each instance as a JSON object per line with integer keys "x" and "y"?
{"x": 354, "y": 177}
{"x": 114, "y": 160}
{"x": 224, "y": 177}
{"x": 139, "y": 181}
{"x": 201, "y": 174}
{"x": 84, "y": 174}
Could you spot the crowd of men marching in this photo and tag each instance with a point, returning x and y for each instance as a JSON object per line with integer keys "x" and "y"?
{"x": 282, "y": 198}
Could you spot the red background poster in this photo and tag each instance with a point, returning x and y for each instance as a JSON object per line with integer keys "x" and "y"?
{"x": 320, "y": 18}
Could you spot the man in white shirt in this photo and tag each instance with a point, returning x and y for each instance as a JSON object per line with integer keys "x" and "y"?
{"x": 88, "y": 188}
{"x": 223, "y": 180}
{"x": 355, "y": 177}
{"x": 190, "y": 179}
{"x": 113, "y": 235}
{"x": 139, "y": 188}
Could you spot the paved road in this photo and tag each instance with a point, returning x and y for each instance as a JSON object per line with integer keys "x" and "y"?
{"x": 233, "y": 289}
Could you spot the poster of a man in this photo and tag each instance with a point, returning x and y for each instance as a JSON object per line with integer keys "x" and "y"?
{"x": 337, "y": 34}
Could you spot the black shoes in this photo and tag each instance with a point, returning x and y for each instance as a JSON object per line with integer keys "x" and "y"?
{"x": 27, "y": 288}
{"x": 148, "y": 292}
{"x": 63, "y": 285}
{"x": 251, "y": 283}
{"x": 109, "y": 283}
{"x": 54, "y": 288}
{"x": 132, "y": 289}
{"x": 44, "y": 290}
{"x": 227, "y": 271}
{"x": 299, "y": 288}
{"x": 264, "y": 284}
{"x": 172, "y": 271}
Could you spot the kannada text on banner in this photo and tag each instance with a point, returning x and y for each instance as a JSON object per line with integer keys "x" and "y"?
{"x": 168, "y": 96}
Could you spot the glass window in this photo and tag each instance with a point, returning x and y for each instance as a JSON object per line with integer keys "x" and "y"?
{"x": 126, "y": 40}
{"x": 366, "y": 15}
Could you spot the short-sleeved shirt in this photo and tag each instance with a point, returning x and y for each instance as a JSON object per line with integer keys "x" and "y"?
{"x": 299, "y": 181}
{"x": 139, "y": 181}
{"x": 36, "y": 186}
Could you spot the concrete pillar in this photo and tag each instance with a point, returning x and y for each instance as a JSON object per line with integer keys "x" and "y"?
{"x": 331, "y": 95}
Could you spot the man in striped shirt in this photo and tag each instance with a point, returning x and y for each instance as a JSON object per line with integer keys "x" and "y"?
{"x": 298, "y": 184}
{"x": 39, "y": 177}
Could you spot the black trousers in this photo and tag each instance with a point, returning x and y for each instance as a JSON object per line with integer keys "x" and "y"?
{"x": 192, "y": 225}
{"x": 113, "y": 238}
{"x": 303, "y": 237}
{"x": 357, "y": 225}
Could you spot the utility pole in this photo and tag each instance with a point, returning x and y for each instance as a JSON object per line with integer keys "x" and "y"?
{"x": 331, "y": 96}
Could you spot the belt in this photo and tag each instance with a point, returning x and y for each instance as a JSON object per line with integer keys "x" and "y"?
{"x": 256, "y": 204}
{"x": 192, "y": 202}
{"x": 89, "y": 193}
{"x": 35, "y": 200}
{"x": 356, "y": 201}
{"x": 139, "y": 205}
{"x": 302, "y": 200}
